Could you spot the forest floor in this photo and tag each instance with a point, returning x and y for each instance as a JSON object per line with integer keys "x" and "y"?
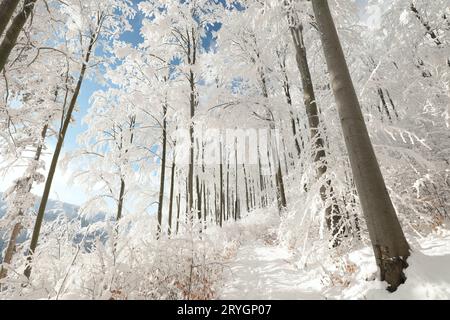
{"x": 262, "y": 269}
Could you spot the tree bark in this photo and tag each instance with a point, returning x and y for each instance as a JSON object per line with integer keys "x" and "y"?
{"x": 120, "y": 200}
{"x": 227, "y": 190}
{"x": 222, "y": 201}
{"x": 247, "y": 200}
{"x": 163, "y": 170}
{"x": 332, "y": 214}
{"x": 178, "y": 212}
{"x": 236, "y": 200}
{"x": 7, "y": 8}
{"x": 122, "y": 179}
{"x": 389, "y": 244}
{"x": 287, "y": 93}
{"x": 9, "y": 252}
{"x": 51, "y": 173}
{"x": 10, "y": 39}
{"x": 172, "y": 182}
{"x": 281, "y": 197}
{"x": 191, "y": 52}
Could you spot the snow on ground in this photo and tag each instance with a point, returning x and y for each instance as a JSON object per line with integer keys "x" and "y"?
{"x": 264, "y": 270}
{"x": 260, "y": 271}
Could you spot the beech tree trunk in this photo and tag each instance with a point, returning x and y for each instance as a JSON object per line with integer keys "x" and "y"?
{"x": 287, "y": 93}
{"x": 120, "y": 200}
{"x": 222, "y": 201}
{"x": 59, "y": 144}
{"x": 9, "y": 252}
{"x": 163, "y": 170}
{"x": 332, "y": 214}
{"x": 389, "y": 244}
{"x": 10, "y": 39}
{"x": 281, "y": 197}
{"x": 237, "y": 199}
{"x": 122, "y": 179}
{"x": 7, "y": 8}
{"x": 227, "y": 189}
{"x": 178, "y": 212}
{"x": 247, "y": 200}
{"x": 172, "y": 182}
{"x": 191, "y": 52}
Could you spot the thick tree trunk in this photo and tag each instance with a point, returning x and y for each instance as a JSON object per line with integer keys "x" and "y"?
{"x": 332, "y": 213}
{"x": 10, "y": 39}
{"x": 59, "y": 144}
{"x": 389, "y": 244}
{"x": 191, "y": 148}
{"x": 191, "y": 52}
{"x": 7, "y": 8}
{"x": 163, "y": 170}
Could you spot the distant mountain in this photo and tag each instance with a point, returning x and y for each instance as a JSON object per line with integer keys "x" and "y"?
{"x": 54, "y": 209}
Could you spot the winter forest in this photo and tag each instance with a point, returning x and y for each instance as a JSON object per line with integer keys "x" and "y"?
{"x": 218, "y": 149}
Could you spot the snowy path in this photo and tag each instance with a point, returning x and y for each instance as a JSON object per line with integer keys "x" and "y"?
{"x": 260, "y": 271}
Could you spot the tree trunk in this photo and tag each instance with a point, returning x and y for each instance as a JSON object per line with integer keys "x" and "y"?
{"x": 7, "y": 8}
{"x": 122, "y": 179}
{"x": 227, "y": 190}
{"x": 262, "y": 186}
{"x": 172, "y": 182}
{"x": 287, "y": 93}
{"x": 163, "y": 170}
{"x": 282, "y": 195}
{"x": 389, "y": 244}
{"x": 198, "y": 189}
{"x": 205, "y": 202}
{"x": 216, "y": 209}
{"x": 9, "y": 252}
{"x": 51, "y": 172}
{"x": 10, "y": 39}
{"x": 247, "y": 200}
{"x": 281, "y": 198}
{"x": 222, "y": 201}
{"x": 191, "y": 52}
{"x": 120, "y": 200}
{"x": 236, "y": 200}
{"x": 332, "y": 214}
{"x": 178, "y": 212}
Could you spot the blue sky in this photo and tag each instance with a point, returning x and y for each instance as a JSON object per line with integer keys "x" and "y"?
{"x": 90, "y": 86}
{"x": 61, "y": 190}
